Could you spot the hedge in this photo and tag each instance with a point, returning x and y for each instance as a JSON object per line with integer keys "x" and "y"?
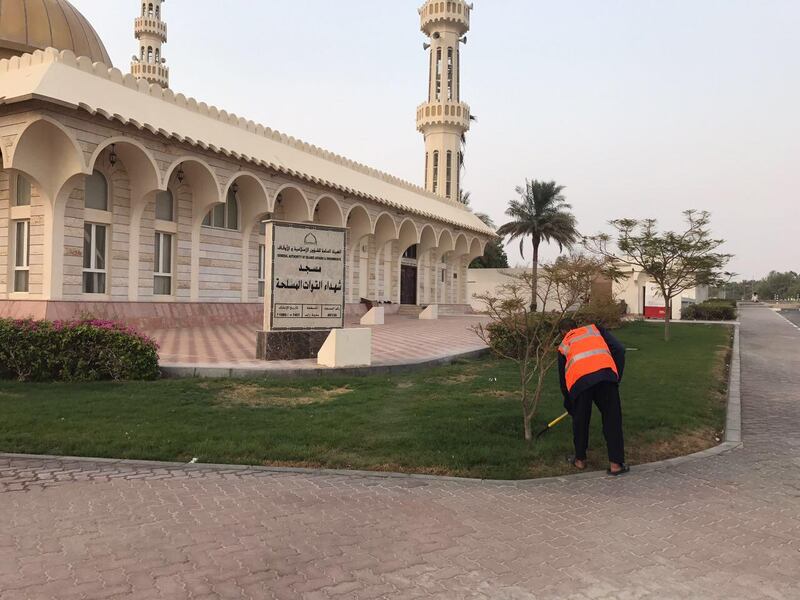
{"x": 86, "y": 350}
{"x": 709, "y": 311}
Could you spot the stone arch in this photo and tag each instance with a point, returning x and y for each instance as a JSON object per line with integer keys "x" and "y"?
{"x": 461, "y": 247}
{"x": 200, "y": 180}
{"x": 446, "y": 243}
{"x": 476, "y": 249}
{"x": 384, "y": 232}
{"x": 327, "y": 211}
{"x": 385, "y": 227}
{"x": 48, "y": 153}
{"x": 408, "y": 235}
{"x": 291, "y": 204}
{"x": 253, "y": 209}
{"x": 138, "y": 162}
{"x": 426, "y": 267}
{"x": 359, "y": 228}
{"x": 407, "y": 275}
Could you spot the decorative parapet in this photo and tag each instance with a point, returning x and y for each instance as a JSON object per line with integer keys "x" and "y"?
{"x": 154, "y": 73}
{"x": 443, "y": 113}
{"x": 83, "y": 63}
{"x": 435, "y": 13}
{"x": 152, "y": 26}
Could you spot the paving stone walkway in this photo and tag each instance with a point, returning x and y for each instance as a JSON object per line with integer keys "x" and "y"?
{"x": 721, "y": 527}
{"x": 402, "y": 340}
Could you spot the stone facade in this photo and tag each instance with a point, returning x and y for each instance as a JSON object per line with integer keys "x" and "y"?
{"x": 209, "y": 264}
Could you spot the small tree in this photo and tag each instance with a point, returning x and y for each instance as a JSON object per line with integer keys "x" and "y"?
{"x": 676, "y": 261}
{"x": 529, "y": 338}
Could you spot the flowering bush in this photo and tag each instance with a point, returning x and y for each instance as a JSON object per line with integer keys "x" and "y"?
{"x": 86, "y": 350}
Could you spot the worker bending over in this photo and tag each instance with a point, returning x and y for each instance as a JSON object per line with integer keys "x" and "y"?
{"x": 590, "y": 366}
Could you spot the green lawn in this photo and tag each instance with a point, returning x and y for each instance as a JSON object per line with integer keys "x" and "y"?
{"x": 454, "y": 420}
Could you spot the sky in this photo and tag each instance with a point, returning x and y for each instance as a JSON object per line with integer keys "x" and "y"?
{"x": 641, "y": 108}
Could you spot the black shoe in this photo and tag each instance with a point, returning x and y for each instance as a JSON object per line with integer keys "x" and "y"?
{"x": 625, "y": 469}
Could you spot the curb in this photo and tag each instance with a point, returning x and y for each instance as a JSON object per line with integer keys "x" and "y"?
{"x": 732, "y": 441}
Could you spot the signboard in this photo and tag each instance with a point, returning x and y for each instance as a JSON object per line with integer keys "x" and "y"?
{"x": 305, "y": 277}
{"x": 653, "y": 302}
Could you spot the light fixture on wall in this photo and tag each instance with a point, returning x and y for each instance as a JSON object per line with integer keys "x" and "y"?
{"x": 235, "y": 188}
{"x": 180, "y": 175}
{"x": 112, "y": 157}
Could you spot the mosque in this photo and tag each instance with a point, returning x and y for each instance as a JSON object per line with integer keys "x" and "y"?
{"x": 123, "y": 199}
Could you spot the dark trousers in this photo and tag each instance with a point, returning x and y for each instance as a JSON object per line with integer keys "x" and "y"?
{"x": 606, "y": 396}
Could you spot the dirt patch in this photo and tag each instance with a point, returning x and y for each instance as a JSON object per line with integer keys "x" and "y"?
{"x": 496, "y": 394}
{"x": 456, "y": 379}
{"x": 679, "y": 445}
{"x": 404, "y": 385}
{"x": 256, "y": 396}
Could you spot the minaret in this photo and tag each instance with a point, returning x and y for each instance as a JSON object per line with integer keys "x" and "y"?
{"x": 444, "y": 119}
{"x": 151, "y": 32}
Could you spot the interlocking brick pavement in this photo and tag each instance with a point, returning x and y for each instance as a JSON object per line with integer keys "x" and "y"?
{"x": 401, "y": 340}
{"x": 727, "y": 526}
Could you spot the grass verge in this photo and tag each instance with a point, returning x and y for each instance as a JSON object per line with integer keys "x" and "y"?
{"x": 463, "y": 419}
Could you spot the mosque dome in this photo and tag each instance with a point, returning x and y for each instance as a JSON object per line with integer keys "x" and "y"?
{"x": 28, "y": 25}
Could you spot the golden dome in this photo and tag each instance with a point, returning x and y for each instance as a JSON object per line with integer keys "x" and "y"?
{"x": 28, "y": 25}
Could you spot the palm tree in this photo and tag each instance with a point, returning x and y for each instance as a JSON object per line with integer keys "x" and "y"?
{"x": 543, "y": 214}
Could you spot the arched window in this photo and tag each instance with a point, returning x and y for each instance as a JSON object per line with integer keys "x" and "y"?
{"x": 158, "y": 56}
{"x": 96, "y": 194}
{"x": 455, "y": 66}
{"x": 150, "y": 10}
{"x": 23, "y": 195}
{"x": 435, "y": 171}
{"x": 144, "y": 9}
{"x": 165, "y": 206}
{"x": 431, "y": 68}
{"x": 449, "y": 174}
{"x": 158, "y": 12}
{"x": 449, "y": 73}
{"x": 224, "y": 216}
{"x": 143, "y": 53}
{"x": 149, "y": 54}
{"x": 458, "y": 173}
{"x": 438, "y": 73}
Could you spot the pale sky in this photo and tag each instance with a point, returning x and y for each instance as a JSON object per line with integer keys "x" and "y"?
{"x": 642, "y": 108}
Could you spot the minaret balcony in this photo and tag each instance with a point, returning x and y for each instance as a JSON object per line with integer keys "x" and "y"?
{"x": 152, "y": 72}
{"x": 431, "y": 114}
{"x": 149, "y": 25}
{"x": 438, "y": 13}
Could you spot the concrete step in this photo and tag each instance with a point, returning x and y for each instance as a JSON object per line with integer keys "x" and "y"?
{"x": 409, "y": 310}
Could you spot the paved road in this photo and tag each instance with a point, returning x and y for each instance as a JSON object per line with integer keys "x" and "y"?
{"x": 720, "y": 527}
{"x": 792, "y": 315}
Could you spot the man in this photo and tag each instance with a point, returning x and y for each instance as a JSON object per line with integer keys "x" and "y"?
{"x": 590, "y": 366}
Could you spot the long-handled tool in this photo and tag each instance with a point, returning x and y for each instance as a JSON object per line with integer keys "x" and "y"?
{"x": 552, "y": 424}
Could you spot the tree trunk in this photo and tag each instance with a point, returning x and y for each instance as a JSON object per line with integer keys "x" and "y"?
{"x": 528, "y": 432}
{"x": 535, "y": 276}
{"x": 667, "y": 319}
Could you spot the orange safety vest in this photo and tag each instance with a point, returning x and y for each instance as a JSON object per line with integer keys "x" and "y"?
{"x": 586, "y": 352}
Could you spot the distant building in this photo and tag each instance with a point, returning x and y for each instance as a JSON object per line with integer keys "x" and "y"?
{"x": 124, "y": 199}
{"x": 636, "y": 289}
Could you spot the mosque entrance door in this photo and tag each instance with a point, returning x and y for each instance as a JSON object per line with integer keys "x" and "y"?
{"x": 408, "y": 284}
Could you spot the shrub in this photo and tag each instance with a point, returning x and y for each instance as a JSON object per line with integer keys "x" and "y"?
{"x": 508, "y": 337}
{"x": 709, "y": 311}
{"x": 87, "y": 350}
{"x": 721, "y": 301}
{"x": 603, "y": 312}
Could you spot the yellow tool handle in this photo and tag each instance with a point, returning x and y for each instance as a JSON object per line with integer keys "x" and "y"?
{"x": 555, "y": 422}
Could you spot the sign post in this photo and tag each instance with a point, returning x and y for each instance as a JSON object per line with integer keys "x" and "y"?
{"x": 304, "y": 297}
